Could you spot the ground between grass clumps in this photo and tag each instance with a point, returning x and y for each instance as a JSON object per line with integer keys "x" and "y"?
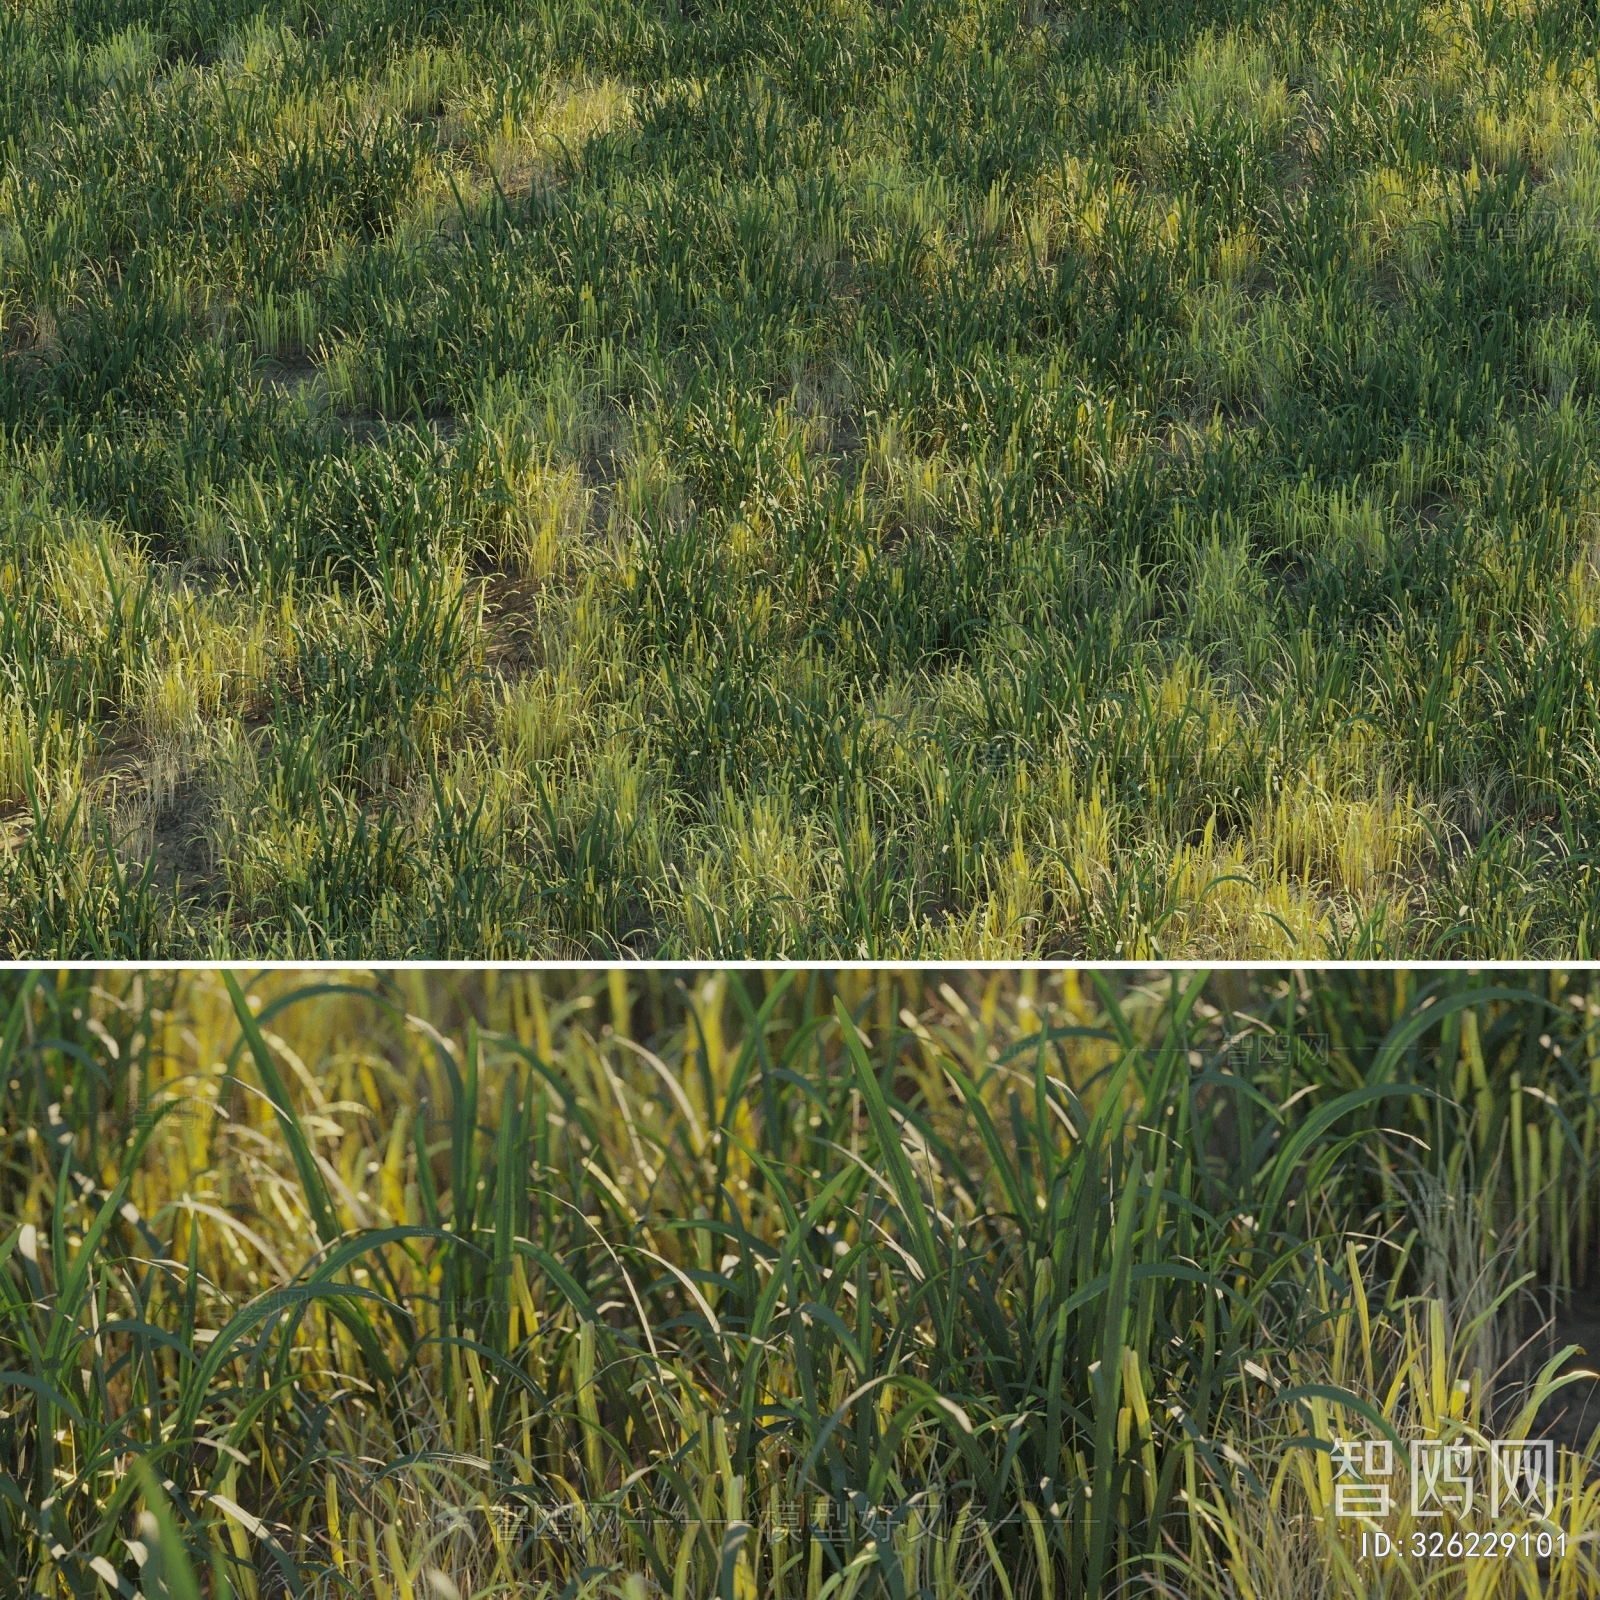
{"x": 960, "y": 478}
{"x": 629, "y": 1287}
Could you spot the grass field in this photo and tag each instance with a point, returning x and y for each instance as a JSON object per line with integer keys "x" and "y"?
{"x": 621, "y": 1288}
{"x": 680, "y": 477}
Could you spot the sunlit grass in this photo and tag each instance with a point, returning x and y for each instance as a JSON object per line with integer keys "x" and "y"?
{"x": 607, "y": 1284}
{"x": 849, "y": 424}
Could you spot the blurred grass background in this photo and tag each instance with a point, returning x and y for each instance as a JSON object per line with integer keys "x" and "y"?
{"x": 628, "y": 1284}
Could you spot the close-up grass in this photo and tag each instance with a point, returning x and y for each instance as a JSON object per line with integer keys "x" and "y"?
{"x": 831, "y": 478}
{"x": 1000, "y": 1287}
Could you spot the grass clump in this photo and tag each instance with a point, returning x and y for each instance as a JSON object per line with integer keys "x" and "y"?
{"x": 618, "y": 1284}
{"x": 980, "y": 479}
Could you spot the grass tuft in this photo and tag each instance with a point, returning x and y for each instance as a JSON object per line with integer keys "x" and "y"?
{"x": 799, "y": 1287}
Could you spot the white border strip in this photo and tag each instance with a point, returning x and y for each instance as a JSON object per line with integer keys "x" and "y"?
{"x": 808, "y": 964}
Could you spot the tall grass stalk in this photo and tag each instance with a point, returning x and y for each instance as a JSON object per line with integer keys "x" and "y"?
{"x": 801, "y": 1286}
